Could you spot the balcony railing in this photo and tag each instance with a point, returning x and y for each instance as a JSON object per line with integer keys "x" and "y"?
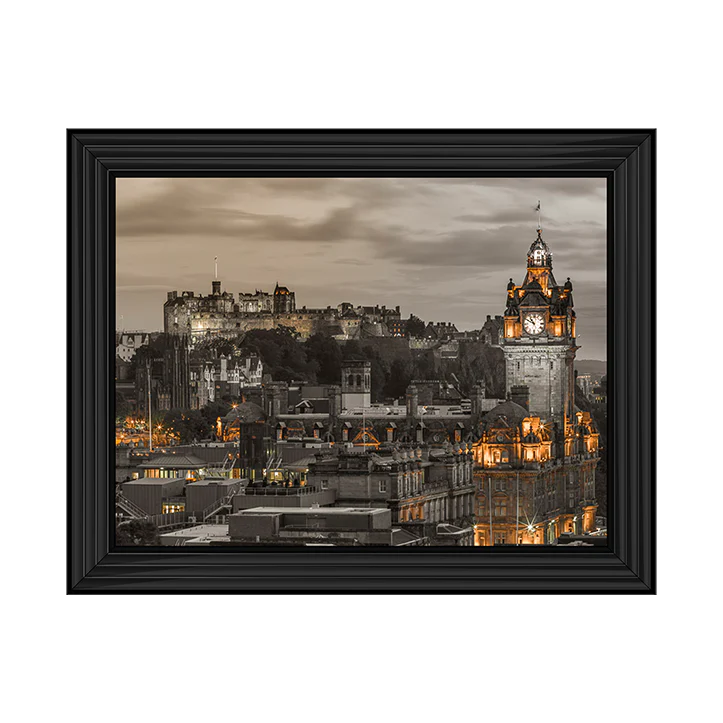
{"x": 278, "y": 491}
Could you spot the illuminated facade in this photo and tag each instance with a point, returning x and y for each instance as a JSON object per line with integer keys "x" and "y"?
{"x": 536, "y": 454}
{"x": 222, "y": 314}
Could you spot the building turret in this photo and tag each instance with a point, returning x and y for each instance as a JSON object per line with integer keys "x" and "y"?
{"x": 356, "y": 384}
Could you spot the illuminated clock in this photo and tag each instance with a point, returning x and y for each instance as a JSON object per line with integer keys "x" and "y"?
{"x": 534, "y": 324}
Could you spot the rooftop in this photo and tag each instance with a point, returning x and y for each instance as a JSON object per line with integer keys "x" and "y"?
{"x": 152, "y": 481}
{"x": 174, "y": 461}
{"x": 213, "y": 481}
{"x": 341, "y": 511}
{"x": 200, "y": 531}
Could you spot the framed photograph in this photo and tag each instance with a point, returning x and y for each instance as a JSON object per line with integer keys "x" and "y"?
{"x": 361, "y": 361}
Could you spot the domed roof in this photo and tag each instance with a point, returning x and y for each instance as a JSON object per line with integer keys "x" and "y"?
{"x": 507, "y": 414}
{"x": 247, "y": 412}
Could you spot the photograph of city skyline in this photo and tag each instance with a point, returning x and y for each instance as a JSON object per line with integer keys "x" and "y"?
{"x": 361, "y": 361}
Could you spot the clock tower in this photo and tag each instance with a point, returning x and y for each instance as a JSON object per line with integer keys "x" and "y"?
{"x": 539, "y": 338}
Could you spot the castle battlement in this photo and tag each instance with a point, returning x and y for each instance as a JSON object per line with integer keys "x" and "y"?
{"x": 222, "y": 314}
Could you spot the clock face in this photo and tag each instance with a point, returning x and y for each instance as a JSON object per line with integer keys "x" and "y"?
{"x": 534, "y": 324}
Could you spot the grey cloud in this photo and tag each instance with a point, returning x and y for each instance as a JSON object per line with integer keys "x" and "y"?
{"x": 441, "y": 248}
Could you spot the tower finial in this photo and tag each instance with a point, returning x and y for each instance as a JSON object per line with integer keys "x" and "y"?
{"x": 539, "y": 220}
{"x": 215, "y": 268}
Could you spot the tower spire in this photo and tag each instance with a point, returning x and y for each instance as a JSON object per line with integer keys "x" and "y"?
{"x": 539, "y": 220}
{"x": 215, "y": 267}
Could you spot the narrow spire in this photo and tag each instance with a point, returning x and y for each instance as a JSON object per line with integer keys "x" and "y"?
{"x": 215, "y": 268}
{"x": 539, "y": 219}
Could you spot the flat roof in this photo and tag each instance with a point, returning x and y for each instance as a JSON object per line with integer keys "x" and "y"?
{"x": 199, "y": 531}
{"x": 213, "y": 481}
{"x": 312, "y": 510}
{"x": 148, "y": 481}
{"x": 170, "y": 459}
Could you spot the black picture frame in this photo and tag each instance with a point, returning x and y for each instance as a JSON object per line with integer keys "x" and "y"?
{"x": 626, "y": 158}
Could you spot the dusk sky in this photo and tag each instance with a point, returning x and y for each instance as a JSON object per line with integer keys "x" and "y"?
{"x": 441, "y": 248}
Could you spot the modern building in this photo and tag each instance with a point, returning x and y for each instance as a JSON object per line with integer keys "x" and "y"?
{"x": 203, "y": 493}
{"x": 347, "y": 526}
{"x": 168, "y": 465}
{"x": 156, "y": 495}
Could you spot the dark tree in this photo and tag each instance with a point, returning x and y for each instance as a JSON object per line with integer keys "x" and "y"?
{"x": 324, "y": 352}
{"x": 379, "y": 372}
{"x": 283, "y": 357}
{"x": 415, "y": 326}
{"x": 189, "y": 424}
{"x": 122, "y": 407}
{"x": 398, "y": 379}
{"x": 136, "y": 533}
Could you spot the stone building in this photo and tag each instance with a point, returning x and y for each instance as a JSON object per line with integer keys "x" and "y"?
{"x": 493, "y": 330}
{"x": 128, "y": 343}
{"x": 211, "y": 377}
{"x": 539, "y": 337}
{"x": 221, "y": 314}
{"x": 536, "y": 452}
{"x": 328, "y": 526}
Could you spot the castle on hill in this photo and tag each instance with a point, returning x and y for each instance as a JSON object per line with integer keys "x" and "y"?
{"x": 222, "y": 314}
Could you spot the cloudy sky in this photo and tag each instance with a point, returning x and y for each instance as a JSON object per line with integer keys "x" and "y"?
{"x": 441, "y": 248}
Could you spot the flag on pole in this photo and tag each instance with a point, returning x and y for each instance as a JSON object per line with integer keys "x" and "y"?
{"x": 537, "y": 208}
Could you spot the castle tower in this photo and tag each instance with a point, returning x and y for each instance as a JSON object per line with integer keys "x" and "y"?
{"x": 284, "y": 300}
{"x": 356, "y": 384}
{"x": 539, "y": 338}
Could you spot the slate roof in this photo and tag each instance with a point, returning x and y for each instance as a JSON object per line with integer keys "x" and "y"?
{"x": 247, "y": 412}
{"x": 507, "y": 414}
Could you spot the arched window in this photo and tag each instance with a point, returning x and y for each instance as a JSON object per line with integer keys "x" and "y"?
{"x": 358, "y": 380}
{"x": 350, "y": 380}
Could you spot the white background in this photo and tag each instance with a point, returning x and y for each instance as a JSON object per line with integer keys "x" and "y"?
{"x": 372, "y": 64}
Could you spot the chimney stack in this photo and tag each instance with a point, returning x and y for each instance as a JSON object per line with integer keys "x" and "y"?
{"x": 520, "y": 394}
